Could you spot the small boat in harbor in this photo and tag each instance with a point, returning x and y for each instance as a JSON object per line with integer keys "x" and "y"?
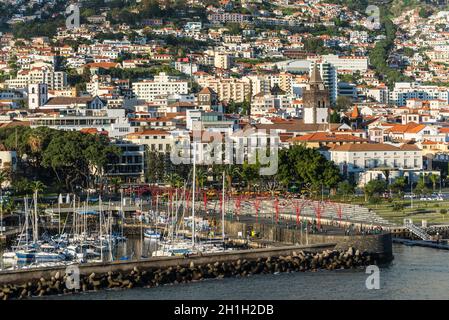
{"x": 43, "y": 257}
{"x": 9, "y": 258}
{"x": 26, "y": 256}
{"x": 170, "y": 252}
{"x": 151, "y": 234}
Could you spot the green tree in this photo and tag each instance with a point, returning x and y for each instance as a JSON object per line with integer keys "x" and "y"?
{"x": 374, "y": 188}
{"x": 302, "y": 167}
{"x": 36, "y": 187}
{"x": 75, "y": 157}
{"x": 433, "y": 179}
{"x": 201, "y": 176}
{"x": 421, "y": 188}
{"x": 250, "y": 174}
{"x": 345, "y": 188}
{"x": 334, "y": 117}
{"x": 398, "y": 185}
{"x": 116, "y": 182}
{"x": 155, "y": 166}
{"x": 343, "y": 103}
{"x": 4, "y": 177}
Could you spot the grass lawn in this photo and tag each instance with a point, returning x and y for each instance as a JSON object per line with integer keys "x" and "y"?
{"x": 421, "y": 210}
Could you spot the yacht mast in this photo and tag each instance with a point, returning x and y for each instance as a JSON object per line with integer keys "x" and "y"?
{"x": 101, "y": 226}
{"x": 223, "y": 211}
{"x": 121, "y": 210}
{"x": 35, "y": 233}
{"x": 74, "y": 218}
{"x": 26, "y": 219}
{"x": 193, "y": 195}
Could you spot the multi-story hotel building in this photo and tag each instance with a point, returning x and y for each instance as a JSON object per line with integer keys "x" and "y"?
{"x": 160, "y": 85}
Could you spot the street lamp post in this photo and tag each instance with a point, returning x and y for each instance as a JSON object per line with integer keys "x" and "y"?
{"x": 411, "y": 190}
{"x": 1, "y": 213}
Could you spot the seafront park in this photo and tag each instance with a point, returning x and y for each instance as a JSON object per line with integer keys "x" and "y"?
{"x": 147, "y": 236}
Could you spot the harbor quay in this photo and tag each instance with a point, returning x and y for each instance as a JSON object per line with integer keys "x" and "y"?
{"x": 21, "y": 284}
{"x": 236, "y": 239}
{"x": 287, "y": 249}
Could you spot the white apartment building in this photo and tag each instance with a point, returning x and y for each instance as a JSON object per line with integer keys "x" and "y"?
{"x": 351, "y": 63}
{"x": 229, "y": 89}
{"x": 222, "y": 60}
{"x": 380, "y": 94}
{"x": 161, "y": 85}
{"x": 54, "y": 80}
{"x": 364, "y": 162}
{"x": 186, "y": 67}
{"x": 438, "y": 56}
{"x": 155, "y": 140}
{"x": 112, "y": 121}
{"x": 228, "y": 17}
{"x": 283, "y": 79}
{"x": 404, "y": 91}
{"x": 265, "y": 104}
{"x": 358, "y": 37}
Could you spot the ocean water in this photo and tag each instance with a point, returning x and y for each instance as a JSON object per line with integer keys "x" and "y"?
{"x": 415, "y": 273}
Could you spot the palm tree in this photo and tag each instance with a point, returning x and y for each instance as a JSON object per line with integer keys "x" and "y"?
{"x": 36, "y": 186}
{"x": 116, "y": 182}
{"x": 9, "y": 206}
{"x": 4, "y": 176}
{"x": 175, "y": 180}
{"x": 433, "y": 178}
{"x": 201, "y": 176}
{"x": 230, "y": 172}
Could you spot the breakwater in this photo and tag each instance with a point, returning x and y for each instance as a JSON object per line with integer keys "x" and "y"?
{"x": 160, "y": 271}
{"x": 380, "y": 244}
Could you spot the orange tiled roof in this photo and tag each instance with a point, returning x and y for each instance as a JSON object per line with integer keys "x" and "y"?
{"x": 375, "y": 147}
{"x": 326, "y": 137}
{"x": 411, "y": 127}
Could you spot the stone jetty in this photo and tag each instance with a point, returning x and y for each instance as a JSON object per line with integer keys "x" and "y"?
{"x": 297, "y": 261}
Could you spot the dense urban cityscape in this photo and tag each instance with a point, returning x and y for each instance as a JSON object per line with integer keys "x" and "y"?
{"x": 243, "y": 137}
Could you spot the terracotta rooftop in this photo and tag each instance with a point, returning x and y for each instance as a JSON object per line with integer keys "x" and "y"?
{"x": 69, "y": 100}
{"x": 328, "y": 137}
{"x": 375, "y": 147}
{"x": 410, "y": 127}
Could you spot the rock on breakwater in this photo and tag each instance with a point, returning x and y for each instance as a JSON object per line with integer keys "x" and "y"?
{"x": 298, "y": 261}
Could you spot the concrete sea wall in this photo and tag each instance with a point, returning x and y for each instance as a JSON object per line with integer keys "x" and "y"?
{"x": 160, "y": 271}
{"x": 377, "y": 244}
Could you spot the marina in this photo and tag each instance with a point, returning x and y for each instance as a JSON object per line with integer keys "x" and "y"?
{"x": 415, "y": 273}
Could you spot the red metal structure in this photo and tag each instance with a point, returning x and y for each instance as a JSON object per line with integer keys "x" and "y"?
{"x": 276, "y": 208}
{"x": 338, "y": 208}
{"x": 205, "y": 201}
{"x": 237, "y": 205}
{"x": 256, "y": 207}
{"x": 319, "y": 209}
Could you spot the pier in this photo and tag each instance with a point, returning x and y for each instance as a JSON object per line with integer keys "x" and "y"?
{"x": 171, "y": 270}
{"x": 24, "y": 275}
{"x": 315, "y": 236}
